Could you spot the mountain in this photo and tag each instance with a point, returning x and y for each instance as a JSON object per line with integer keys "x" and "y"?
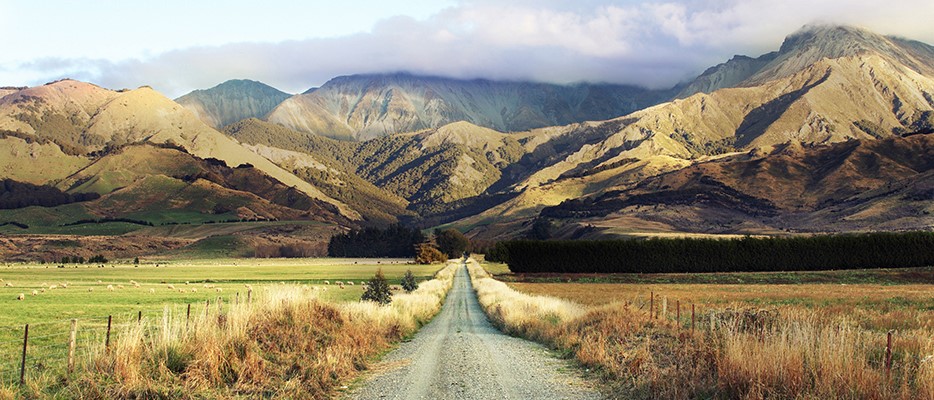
{"x": 82, "y": 138}
{"x": 826, "y": 87}
{"x": 361, "y": 107}
{"x": 232, "y": 101}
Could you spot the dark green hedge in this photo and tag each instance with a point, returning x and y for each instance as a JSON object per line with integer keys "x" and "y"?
{"x": 814, "y": 253}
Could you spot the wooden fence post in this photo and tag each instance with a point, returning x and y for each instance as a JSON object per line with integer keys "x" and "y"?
{"x": 665, "y": 307}
{"x": 22, "y": 366}
{"x": 187, "y": 316}
{"x": 72, "y": 343}
{"x": 107, "y": 341}
{"x": 249, "y": 296}
{"x": 207, "y": 308}
{"x": 237, "y": 301}
{"x": 678, "y": 312}
{"x": 139, "y": 317}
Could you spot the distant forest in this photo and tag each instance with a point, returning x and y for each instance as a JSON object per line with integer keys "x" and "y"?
{"x": 15, "y": 194}
{"x": 394, "y": 241}
{"x": 812, "y": 253}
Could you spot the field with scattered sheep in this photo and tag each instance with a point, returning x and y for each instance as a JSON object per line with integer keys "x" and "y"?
{"x": 149, "y": 294}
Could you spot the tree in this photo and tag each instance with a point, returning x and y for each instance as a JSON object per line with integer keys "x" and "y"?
{"x": 136, "y": 261}
{"x": 408, "y": 282}
{"x": 541, "y": 229}
{"x": 427, "y": 254}
{"x": 451, "y": 242}
{"x": 377, "y": 289}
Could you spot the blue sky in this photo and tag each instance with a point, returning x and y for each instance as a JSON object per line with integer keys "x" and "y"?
{"x": 177, "y": 46}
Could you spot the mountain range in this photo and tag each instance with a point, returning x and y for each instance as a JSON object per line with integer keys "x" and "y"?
{"x": 830, "y": 133}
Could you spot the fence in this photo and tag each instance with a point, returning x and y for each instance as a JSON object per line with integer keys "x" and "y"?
{"x": 59, "y": 348}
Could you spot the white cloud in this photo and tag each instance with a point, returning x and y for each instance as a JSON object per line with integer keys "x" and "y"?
{"x": 637, "y": 42}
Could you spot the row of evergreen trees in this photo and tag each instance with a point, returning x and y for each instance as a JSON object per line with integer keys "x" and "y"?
{"x": 394, "y": 241}
{"x": 824, "y": 252}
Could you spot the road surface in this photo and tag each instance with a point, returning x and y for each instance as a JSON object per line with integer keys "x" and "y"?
{"x": 459, "y": 355}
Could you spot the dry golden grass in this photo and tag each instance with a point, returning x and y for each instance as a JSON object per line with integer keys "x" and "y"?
{"x": 287, "y": 343}
{"x": 749, "y": 342}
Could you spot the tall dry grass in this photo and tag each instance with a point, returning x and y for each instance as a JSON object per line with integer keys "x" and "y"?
{"x": 737, "y": 354}
{"x": 287, "y": 343}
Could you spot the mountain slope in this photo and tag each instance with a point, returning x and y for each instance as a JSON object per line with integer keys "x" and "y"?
{"x": 368, "y": 106}
{"x": 232, "y": 101}
{"x": 86, "y": 122}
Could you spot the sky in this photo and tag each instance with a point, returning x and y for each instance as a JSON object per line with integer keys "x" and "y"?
{"x": 177, "y": 46}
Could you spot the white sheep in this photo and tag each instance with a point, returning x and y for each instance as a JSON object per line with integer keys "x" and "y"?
{"x": 65, "y": 285}
{"x": 35, "y": 292}
{"x": 8, "y": 284}
{"x": 119, "y": 286}
{"x": 327, "y": 282}
{"x": 342, "y": 285}
{"x": 99, "y": 281}
{"x": 219, "y": 290}
{"x": 194, "y": 290}
{"x": 90, "y": 289}
{"x": 187, "y": 283}
{"x": 339, "y": 283}
{"x": 171, "y": 287}
{"x": 21, "y": 297}
{"x": 152, "y": 291}
{"x": 52, "y": 287}
{"x": 110, "y": 288}
{"x": 42, "y": 290}
{"x": 350, "y": 283}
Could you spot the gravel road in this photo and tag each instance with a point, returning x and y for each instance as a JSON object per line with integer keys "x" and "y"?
{"x": 459, "y": 355}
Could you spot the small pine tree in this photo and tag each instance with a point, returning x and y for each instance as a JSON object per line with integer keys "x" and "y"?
{"x": 136, "y": 261}
{"x": 377, "y": 289}
{"x": 408, "y": 282}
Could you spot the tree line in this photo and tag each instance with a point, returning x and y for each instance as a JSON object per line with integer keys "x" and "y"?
{"x": 810, "y": 253}
{"x": 15, "y": 195}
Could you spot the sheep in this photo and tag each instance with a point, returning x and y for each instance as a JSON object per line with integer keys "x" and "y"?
{"x": 65, "y": 285}
{"x": 171, "y": 287}
{"x": 90, "y": 289}
{"x": 219, "y": 290}
{"x": 42, "y": 290}
{"x": 339, "y": 283}
{"x": 350, "y": 283}
{"x": 132, "y": 282}
{"x": 21, "y": 297}
{"x": 110, "y": 288}
{"x": 152, "y": 291}
{"x": 181, "y": 290}
{"x": 327, "y": 282}
{"x": 8, "y": 284}
{"x": 187, "y": 283}
{"x": 194, "y": 290}
{"x": 99, "y": 281}
{"x": 35, "y": 292}
{"x": 52, "y": 287}
{"x": 119, "y": 286}
{"x": 342, "y": 285}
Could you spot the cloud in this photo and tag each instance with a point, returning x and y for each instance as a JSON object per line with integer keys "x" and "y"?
{"x": 654, "y": 44}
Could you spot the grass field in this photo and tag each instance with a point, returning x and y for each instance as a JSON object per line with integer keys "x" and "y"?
{"x": 171, "y": 285}
{"x": 758, "y": 335}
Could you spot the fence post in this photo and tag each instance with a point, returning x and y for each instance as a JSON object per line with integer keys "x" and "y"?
{"x": 139, "y": 317}
{"x": 888, "y": 356}
{"x": 237, "y": 301}
{"x": 22, "y": 366}
{"x": 665, "y": 307}
{"x": 107, "y": 341}
{"x": 692, "y": 318}
{"x": 249, "y": 296}
{"x": 207, "y": 308}
{"x": 187, "y": 316}
{"x": 72, "y": 343}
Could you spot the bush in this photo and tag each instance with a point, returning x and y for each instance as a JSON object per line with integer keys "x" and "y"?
{"x": 377, "y": 289}
{"x": 813, "y": 253}
{"x": 408, "y": 282}
{"x": 451, "y": 242}
{"x": 427, "y": 254}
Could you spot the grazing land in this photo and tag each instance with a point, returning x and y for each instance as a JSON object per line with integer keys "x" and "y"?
{"x": 753, "y": 335}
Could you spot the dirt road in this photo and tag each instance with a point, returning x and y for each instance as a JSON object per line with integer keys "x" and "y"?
{"x": 459, "y": 355}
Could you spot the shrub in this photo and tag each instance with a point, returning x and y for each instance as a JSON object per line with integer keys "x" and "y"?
{"x": 408, "y": 282}
{"x": 377, "y": 290}
{"x": 451, "y": 242}
{"x": 427, "y": 254}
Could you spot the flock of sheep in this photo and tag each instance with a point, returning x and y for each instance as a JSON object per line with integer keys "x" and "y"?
{"x": 112, "y": 287}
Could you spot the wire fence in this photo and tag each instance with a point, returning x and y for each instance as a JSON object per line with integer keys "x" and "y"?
{"x": 60, "y": 347}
